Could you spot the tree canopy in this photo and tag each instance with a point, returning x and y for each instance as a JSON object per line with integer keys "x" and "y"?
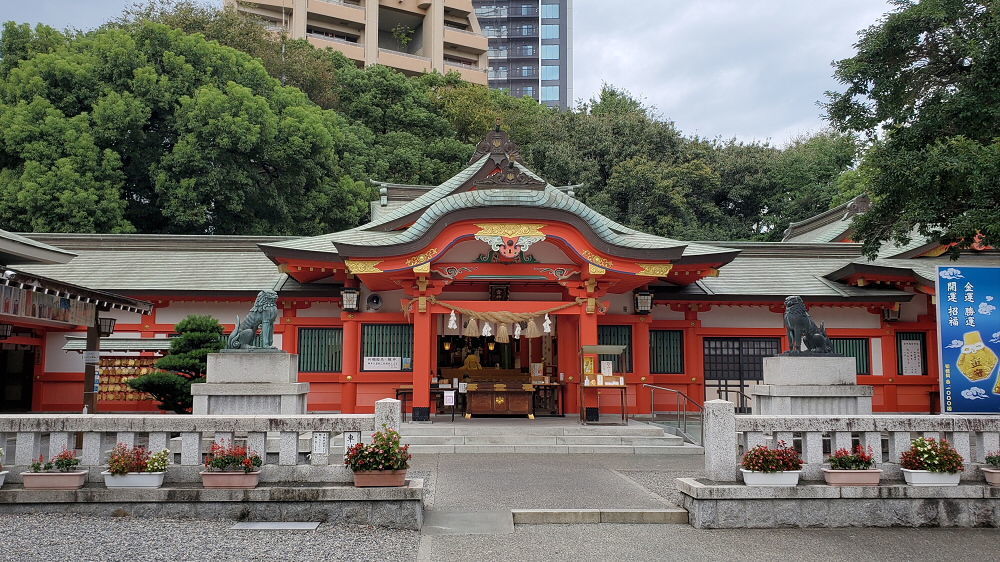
{"x": 183, "y": 118}
{"x": 924, "y": 88}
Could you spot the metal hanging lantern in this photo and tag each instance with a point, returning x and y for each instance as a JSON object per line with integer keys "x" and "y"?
{"x": 349, "y": 299}
{"x": 643, "y": 302}
{"x": 106, "y": 326}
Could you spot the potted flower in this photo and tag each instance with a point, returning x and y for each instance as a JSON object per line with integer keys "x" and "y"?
{"x": 3, "y": 473}
{"x": 383, "y": 463}
{"x": 135, "y": 467}
{"x": 857, "y": 469}
{"x": 763, "y": 466}
{"x": 930, "y": 462}
{"x": 55, "y": 474}
{"x": 992, "y": 473}
{"x": 231, "y": 466}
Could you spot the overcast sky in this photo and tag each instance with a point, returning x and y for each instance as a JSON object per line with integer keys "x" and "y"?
{"x": 751, "y": 69}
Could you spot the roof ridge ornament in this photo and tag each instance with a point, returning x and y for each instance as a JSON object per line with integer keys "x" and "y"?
{"x": 498, "y": 146}
{"x": 511, "y": 177}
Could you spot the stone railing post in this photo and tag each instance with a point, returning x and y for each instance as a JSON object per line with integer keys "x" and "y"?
{"x": 721, "y": 460}
{"x": 387, "y": 413}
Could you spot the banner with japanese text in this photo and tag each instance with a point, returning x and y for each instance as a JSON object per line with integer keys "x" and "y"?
{"x": 969, "y": 338}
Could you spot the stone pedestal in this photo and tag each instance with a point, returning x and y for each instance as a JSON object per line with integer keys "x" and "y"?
{"x": 804, "y": 385}
{"x": 251, "y": 383}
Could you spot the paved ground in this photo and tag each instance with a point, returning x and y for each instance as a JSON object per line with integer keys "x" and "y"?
{"x": 681, "y": 542}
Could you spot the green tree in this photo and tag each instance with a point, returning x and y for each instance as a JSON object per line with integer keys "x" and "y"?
{"x": 187, "y": 363}
{"x": 924, "y": 87}
{"x": 148, "y": 128}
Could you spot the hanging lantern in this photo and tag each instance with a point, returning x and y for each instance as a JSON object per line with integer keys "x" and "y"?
{"x": 643, "y": 302}
{"x": 547, "y": 324}
{"x": 349, "y": 299}
{"x": 452, "y": 321}
{"x": 491, "y": 345}
{"x": 106, "y": 326}
{"x": 447, "y": 344}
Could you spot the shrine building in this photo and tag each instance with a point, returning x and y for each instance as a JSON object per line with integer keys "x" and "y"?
{"x": 503, "y": 283}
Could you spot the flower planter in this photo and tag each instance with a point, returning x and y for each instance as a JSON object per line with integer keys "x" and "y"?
{"x": 54, "y": 480}
{"x": 852, "y": 477}
{"x": 134, "y": 479}
{"x": 367, "y": 478}
{"x": 3, "y": 476}
{"x": 928, "y": 478}
{"x": 230, "y": 479}
{"x": 992, "y": 476}
{"x": 786, "y": 478}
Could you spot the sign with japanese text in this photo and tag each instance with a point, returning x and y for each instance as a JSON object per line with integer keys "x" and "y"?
{"x": 383, "y": 363}
{"x": 969, "y": 338}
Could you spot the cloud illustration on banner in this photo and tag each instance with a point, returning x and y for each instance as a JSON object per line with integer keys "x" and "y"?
{"x": 951, "y": 273}
{"x": 974, "y": 393}
{"x": 995, "y": 338}
{"x": 986, "y": 308}
{"x": 955, "y": 344}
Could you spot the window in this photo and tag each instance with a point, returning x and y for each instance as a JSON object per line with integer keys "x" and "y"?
{"x": 666, "y": 351}
{"x": 550, "y": 51}
{"x": 858, "y": 348}
{"x": 550, "y": 93}
{"x": 528, "y": 91}
{"x": 617, "y": 335}
{"x": 911, "y": 349}
{"x": 321, "y": 350}
{"x": 388, "y": 340}
{"x": 550, "y": 32}
{"x": 550, "y": 72}
{"x": 550, "y": 11}
{"x": 527, "y": 71}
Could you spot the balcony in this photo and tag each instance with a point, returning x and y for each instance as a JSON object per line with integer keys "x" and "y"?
{"x": 469, "y": 73}
{"x": 339, "y": 9}
{"x": 350, "y": 49}
{"x": 411, "y": 64}
{"x": 466, "y": 39}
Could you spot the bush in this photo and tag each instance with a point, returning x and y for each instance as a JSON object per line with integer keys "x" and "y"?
{"x": 862, "y": 459}
{"x": 763, "y": 459}
{"x": 930, "y": 454}
{"x": 65, "y": 461}
{"x": 384, "y": 453}
{"x": 231, "y": 458}
{"x": 125, "y": 459}
{"x": 993, "y": 459}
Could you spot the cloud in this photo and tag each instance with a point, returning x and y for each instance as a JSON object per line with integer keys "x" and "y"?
{"x": 752, "y": 70}
{"x": 952, "y": 273}
{"x": 995, "y": 338}
{"x": 974, "y": 393}
{"x": 955, "y": 344}
{"x": 986, "y": 308}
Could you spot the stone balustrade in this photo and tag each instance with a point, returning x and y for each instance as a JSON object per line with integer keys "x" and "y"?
{"x": 727, "y": 434}
{"x": 26, "y": 436}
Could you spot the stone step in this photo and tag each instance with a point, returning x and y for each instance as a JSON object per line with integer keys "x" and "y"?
{"x": 473, "y": 430}
{"x": 591, "y": 516}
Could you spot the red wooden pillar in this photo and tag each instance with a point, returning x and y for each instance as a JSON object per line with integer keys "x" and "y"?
{"x": 640, "y": 365}
{"x": 349, "y": 365}
{"x": 422, "y": 340}
{"x": 569, "y": 360}
{"x": 694, "y": 357}
{"x": 890, "y": 370}
{"x": 588, "y": 336}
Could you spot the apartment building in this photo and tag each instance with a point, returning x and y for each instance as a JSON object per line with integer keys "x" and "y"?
{"x": 530, "y": 47}
{"x": 413, "y": 36}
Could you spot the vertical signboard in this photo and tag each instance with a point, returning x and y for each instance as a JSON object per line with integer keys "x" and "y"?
{"x": 968, "y": 316}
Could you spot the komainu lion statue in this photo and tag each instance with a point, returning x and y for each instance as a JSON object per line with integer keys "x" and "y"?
{"x": 802, "y": 329}
{"x": 262, "y": 315}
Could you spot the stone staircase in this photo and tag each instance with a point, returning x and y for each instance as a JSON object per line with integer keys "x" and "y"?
{"x": 481, "y": 436}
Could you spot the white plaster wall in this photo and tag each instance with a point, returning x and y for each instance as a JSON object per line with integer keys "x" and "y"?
{"x": 320, "y": 309}
{"x": 845, "y": 317}
{"x": 740, "y": 317}
{"x": 59, "y": 361}
{"x": 620, "y": 304}
{"x": 876, "y": 356}
{"x": 390, "y": 300}
{"x": 224, "y": 312}
{"x": 664, "y": 312}
{"x": 909, "y": 311}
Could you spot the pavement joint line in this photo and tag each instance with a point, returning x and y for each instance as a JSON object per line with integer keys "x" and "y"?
{"x": 276, "y": 526}
{"x": 597, "y": 516}
{"x": 639, "y": 485}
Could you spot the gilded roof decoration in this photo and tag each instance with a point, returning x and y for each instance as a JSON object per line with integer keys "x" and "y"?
{"x": 363, "y": 266}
